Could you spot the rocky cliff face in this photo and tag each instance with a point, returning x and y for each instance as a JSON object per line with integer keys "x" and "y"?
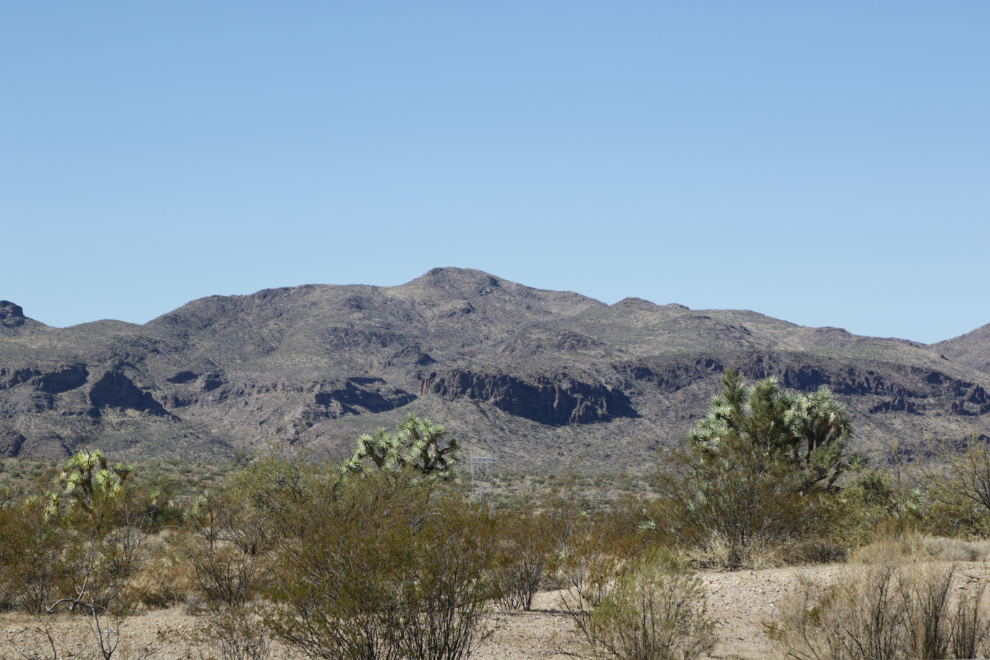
{"x": 553, "y": 399}
{"x": 539, "y": 379}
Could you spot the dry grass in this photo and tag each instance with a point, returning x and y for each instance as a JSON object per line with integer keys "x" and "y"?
{"x": 898, "y": 599}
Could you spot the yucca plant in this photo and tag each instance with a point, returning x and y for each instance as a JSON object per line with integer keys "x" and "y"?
{"x": 418, "y": 444}
{"x": 87, "y": 480}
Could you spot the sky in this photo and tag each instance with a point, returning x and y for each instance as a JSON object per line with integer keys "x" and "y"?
{"x": 823, "y": 163}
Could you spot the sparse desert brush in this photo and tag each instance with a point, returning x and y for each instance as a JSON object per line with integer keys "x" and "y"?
{"x": 379, "y": 565}
{"x": 923, "y": 547}
{"x": 529, "y": 542}
{"x": 165, "y": 579}
{"x": 654, "y": 609}
{"x": 894, "y": 602}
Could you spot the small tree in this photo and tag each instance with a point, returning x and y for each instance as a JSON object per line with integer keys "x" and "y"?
{"x": 810, "y": 431}
{"x": 418, "y": 444}
{"x": 756, "y": 477}
{"x": 88, "y": 483}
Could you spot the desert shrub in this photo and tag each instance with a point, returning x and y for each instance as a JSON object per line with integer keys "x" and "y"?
{"x": 86, "y": 543}
{"x": 922, "y": 547}
{"x": 378, "y": 565}
{"x": 33, "y": 572}
{"x": 232, "y": 633}
{"x": 530, "y": 543}
{"x": 875, "y": 500}
{"x": 940, "y": 548}
{"x": 757, "y": 479}
{"x": 959, "y": 495}
{"x": 655, "y": 610}
{"x": 893, "y": 604}
{"x": 227, "y": 542}
{"x": 164, "y": 579}
{"x": 598, "y": 545}
{"x": 745, "y": 512}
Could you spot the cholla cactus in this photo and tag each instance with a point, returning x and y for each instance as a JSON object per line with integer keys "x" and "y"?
{"x": 416, "y": 444}
{"x": 87, "y": 478}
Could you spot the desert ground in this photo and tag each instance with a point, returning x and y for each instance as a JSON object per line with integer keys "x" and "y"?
{"x": 739, "y": 601}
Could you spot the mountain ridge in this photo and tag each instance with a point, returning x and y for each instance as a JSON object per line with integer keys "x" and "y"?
{"x": 539, "y": 379}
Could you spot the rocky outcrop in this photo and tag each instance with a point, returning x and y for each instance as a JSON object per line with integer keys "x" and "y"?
{"x": 896, "y": 404}
{"x": 372, "y": 394}
{"x": 555, "y": 399}
{"x": 410, "y": 356}
{"x": 52, "y": 380}
{"x": 47, "y": 443}
{"x": 182, "y": 377}
{"x": 13, "y": 321}
{"x": 116, "y": 390}
{"x": 10, "y": 443}
{"x": 11, "y": 315}
{"x": 209, "y": 382}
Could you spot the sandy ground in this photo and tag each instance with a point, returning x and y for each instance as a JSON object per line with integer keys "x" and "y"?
{"x": 739, "y": 601}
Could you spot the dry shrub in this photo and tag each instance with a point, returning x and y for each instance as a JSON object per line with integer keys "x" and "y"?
{"x": 893, "y": 604}
{"x": 529, "y": 542}
{"x": 164, "y": 580}
{"x": 379, "y": 566}
{"x": 228, "y": 545}
{"x": 233, "y": 633}
{"x": 599, "y": 546}
{"x": 955, "y": 550}
{"x": 32, "y": 570}
{"x": 655, "y": 610}
{"x": 924, "y": 547}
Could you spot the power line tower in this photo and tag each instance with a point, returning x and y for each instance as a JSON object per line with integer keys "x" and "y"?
{"x": 482, "y": 475}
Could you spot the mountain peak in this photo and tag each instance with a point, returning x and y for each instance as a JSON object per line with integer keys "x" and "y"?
{"x": 10, "y": 311}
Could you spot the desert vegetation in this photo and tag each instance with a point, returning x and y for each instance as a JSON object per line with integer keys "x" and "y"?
{"x": 393, "y": 554}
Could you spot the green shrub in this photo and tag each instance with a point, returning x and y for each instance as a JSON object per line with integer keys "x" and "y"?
{"x": 756, "y": 481}
{"x": 530, "y": 543}
{"x": 374, "y": 565}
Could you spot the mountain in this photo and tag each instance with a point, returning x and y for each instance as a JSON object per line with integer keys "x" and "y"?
{"x": 541, "y": 380}
{"x": 971, "y": 349}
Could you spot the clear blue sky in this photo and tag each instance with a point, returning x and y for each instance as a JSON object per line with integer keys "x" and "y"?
{"x": 824, "y": 163}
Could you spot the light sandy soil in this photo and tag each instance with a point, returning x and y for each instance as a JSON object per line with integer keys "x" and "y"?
{"x": 739, "y": 601}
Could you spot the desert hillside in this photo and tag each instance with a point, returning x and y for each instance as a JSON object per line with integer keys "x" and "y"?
{"x": 538, "y": 379}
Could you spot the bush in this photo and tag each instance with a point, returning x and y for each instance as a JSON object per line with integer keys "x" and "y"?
{"x": 599, "y": 545}
{"x": 530, "y": 543}
{"x": 33, "y": 572}
{"x": 757, "y": 479}
{"x": 228, "y": 544}
{"x": 960, "y": 500}
{"x": 656, "y": 610}
{"x": 378, "y": 566}
{"x": 746, "y": 513}
{"x": 233, "y": 633}
{"x": 894, "y": 605}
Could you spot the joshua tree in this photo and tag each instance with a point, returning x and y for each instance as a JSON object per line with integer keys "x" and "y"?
{"x": 417, "y": 443}
{"x": 808, "y": 430}
{"x": 89, "y": 480}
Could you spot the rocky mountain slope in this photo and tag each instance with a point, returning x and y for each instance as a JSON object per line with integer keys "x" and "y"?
{"x": 541, "y": 380}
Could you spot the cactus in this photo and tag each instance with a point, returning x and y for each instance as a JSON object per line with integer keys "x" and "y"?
{"x": 417, "y": 444}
